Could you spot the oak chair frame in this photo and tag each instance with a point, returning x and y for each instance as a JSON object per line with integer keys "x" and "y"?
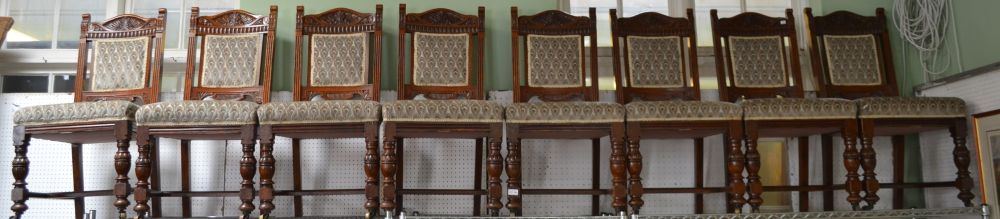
{"x": 223, "y": 23}
{"x": 659, "y": 25}
{"x": 848, "y": 23}
{"x": 333, "y": 21}
{"x": 77, "y": 134}
{"x": 554, "y": 22}
{"x": 755, "y": 24}
{"x": 441, "y": 20}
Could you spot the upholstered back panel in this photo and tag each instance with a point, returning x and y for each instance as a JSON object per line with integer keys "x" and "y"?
{"x": 852, "y": 60}
{"x": 339, "y": 59}
{"x": 655, "y": 62}
{"x": 758, "y": 62}
{"x": 231, "y": 60}
{"x": 119, "y": 64}
{"x": 440, "y": 59}
{"x": 5, "y": 24}
{"x": 555, "y": 61}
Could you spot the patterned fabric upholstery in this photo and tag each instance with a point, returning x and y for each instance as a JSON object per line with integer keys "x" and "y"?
{"x": 758, "y": 61}
{"x": 231, "y": 60}
{"x": 911, "y": 107}
{"x": 651, "y": 111}
{"x": 119, "y": 64}
{"x": 565, "y": 112}
{"x": 322, "y": 112}
{"x": 100, "y": 111}
{"x": 555, "y": 61}
{"x": 458, "y": 111}
{"x": 798, "y": 108}
{"x": 197, "y": 112}
{"x": 440, "y": 59}
{"x": 852, "y": 60}
{"x": 339, "y": 59}
{"x": 5, "y": 24}
{"x": 655, "y": 62}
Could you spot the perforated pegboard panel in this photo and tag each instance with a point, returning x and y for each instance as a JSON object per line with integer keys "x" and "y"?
{"x": 430, "y": 163}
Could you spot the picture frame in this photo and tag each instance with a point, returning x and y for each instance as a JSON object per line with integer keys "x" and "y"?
{"x": 986, "y": 132}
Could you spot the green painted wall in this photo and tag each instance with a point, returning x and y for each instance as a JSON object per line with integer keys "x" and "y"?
{"x": 498, "y": 63}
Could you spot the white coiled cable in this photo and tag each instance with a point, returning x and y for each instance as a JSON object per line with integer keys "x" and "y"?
{"x": 922, "y": 23}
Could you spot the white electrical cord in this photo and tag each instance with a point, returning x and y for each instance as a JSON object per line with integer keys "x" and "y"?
{"x": 922, "y": 23}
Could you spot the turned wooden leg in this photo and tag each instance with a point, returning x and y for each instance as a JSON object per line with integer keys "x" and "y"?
{"x": 267, "y": 161}
{"x": 123, "y": 161}
{"x": 371, "y": 169}
{"x": 868, "y": 163}
{"x": 142, "y": 170}
{"x": 19, "y": 167}
{"x": 735, "y": 162}
{"x": 248, "y": 168}
{"x": 634, "y": 167}
{"x": 618, "y": 168}
{"x": 494, "y": 166}
{"x": 852, "y": 163}
{"x": 389, "y": 170}
{"x": 513, "y": 170}
{"x": 753, "y": 167}
{"x": 961, "y": 155}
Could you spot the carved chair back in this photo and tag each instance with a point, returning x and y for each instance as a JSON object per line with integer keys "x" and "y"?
{"x": 445, "y": 54}
{"x": 5, "y": 24}
{"x": 120, "y": 59}
{"x": 756, "y": 56}
{"x": 660, "y": 57}
{"x": 851, "y": 54}
{"x": 554, "y": 57}
{"x": 344, "y": 54}
{"x": 236, "y": 54}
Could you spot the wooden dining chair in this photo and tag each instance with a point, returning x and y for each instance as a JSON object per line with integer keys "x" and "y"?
{"x": 757, "y": 63}
{"x": 6, "y": 23}
{"x": 440, "y": 95}
{"x": 557, "y": 75}
{"x": 655, "y": 61}
{"x": 339, "y": 99}
{"x": 852, "y": 58}
{"x": 235, "y": 56}
{"x": 118, "y": 69}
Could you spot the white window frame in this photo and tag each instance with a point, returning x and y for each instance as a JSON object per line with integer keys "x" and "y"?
{"x": 54, "y": 60}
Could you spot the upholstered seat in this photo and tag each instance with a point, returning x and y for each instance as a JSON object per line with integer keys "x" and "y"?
{"x": 911, "y": 107}
{"x": 313, "y": 112}
{"x": 798, "y": 108}
{"x": 652, "y": 111}
{"x": 101, "y": 111}
{"x": 197, "y": 113}
{"x": 565, "y": 112}
{"x": 458, "y": 111}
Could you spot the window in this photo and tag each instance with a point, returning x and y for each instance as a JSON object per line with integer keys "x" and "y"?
{"x": 729, "y": 8}
{"x": 625, "y": 7}
{"x": 179, "y": 15}
{"x": 55, "y": 24}
{"x": 38, "y": 83}
{"x": 47, "y": 24}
